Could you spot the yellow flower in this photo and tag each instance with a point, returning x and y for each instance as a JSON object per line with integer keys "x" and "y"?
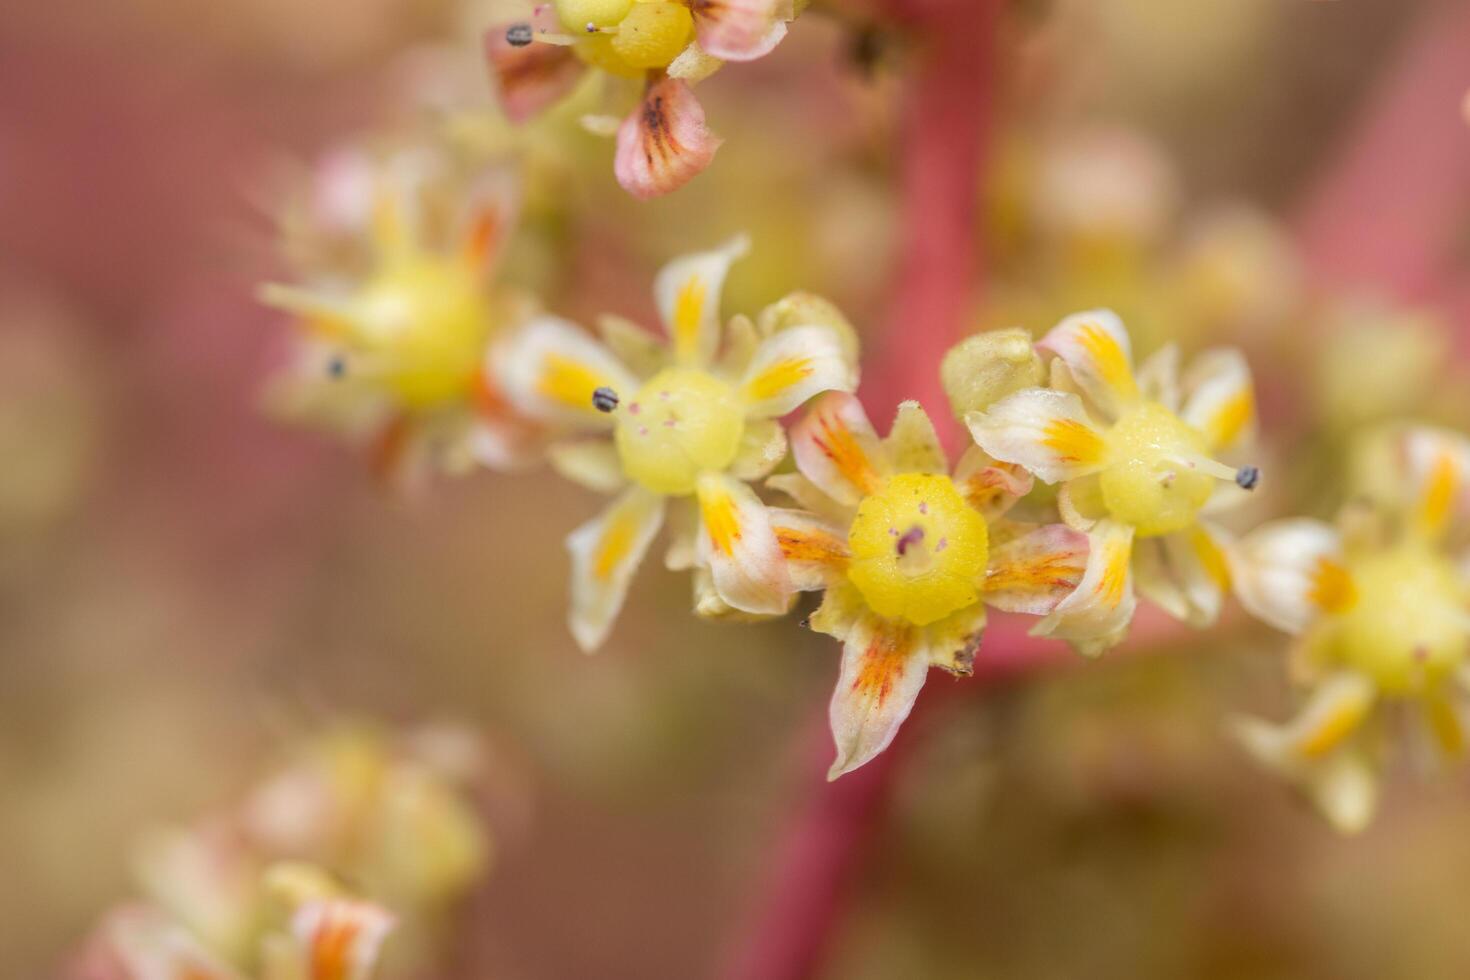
{"x": 1133, "y": 457}
{"x": 688, "y": 422}
{"x": 909, "y": 556}
{"x": 1380, "y": 607}
{"x": 396, "y": 310}
{"x": 666, "y": 44}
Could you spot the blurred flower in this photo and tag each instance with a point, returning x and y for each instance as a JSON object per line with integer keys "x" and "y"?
{"x": 1134, "y": 460}
{"x": 261, "y": 890}
{"x": 1380, "y": 607}
{"x": 668, "y": 44}
{"x": 394, "y": 252}
{"x": 692, "y": 421}
{"x": 1383, "y": 362}
{"x": 909, "y": 557}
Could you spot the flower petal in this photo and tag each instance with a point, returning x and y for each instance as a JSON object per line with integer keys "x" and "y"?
{"x": 1184, "y": 573}
{"x": 1096, "y": 615}
{"x": 1036, "y": 571}
{"x": 836, "y": 449}
{"x": 590, "y": 463}
{"x": 664, "y": 143}
{"x": 687, "y": 292}
{"x": 841, "y": 609}
{"x": 737, "y": 30}
{"x": 739, "y": 546}
{"x": 341, "y": 938}
{"x": 815, "y": 550}
{"x": 883, "y": 669}
{"x": 1438, "y": 477}
{"x": 1290, "y": 572}
{"x": 810, "y": 497}
{"x": 643, "y": 352}
{"x": 606, "y": 551}
{"x": 762, "y": 447}
{"x": 790, "y": 367}
{"x": 990, "y": 486}
{"x": 149, "y": 945}
{"x": 694, "y": 64}
{"x": 951, "y": 643}
{"x": 1222, "y": 400}
{"x": 531, "y": 77}
{"x": 550, "y": 368}
{"x": 1096, "y": 349}
{"x": 912, "y": 445}
{"x": 1048, "y": 432}
{"x": 1312, "y": 748}
{"x": 1158, "y": 377}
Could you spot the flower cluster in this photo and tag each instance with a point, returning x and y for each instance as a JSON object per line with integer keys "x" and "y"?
{"x": 394, "y": 252}
{"x": 359, "y": 837}
{"x": 908, "y": 552}
{"x": 667, "y": 45}
{"x": 1380, "y": 609}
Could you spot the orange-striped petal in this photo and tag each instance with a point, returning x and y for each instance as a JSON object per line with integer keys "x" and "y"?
{"x": 1047, "y": 432}
{"x": 687, "y": 292}
{"x": 883, "y": 669}
{"x": 664, "y": 143}
{"x": 1096, "y": 615}
{"x": 1438, "y": 464}
{"x": 1098, "y": 354}
{"x": 988, "y": 485}
{"x": 1036, "y": 571}
{"x": 836, "y": 449}
{"x": 342, "y": 938}
{"x": 815, "y": 550}
{"x": 606, "y": 552}
{"x": 791, "y": 366}
{"x": 1289, "y": 573}
{"x": 739, "y": 546}
{"x": 550, "y": 368}
{"x": 1221, "y": 399}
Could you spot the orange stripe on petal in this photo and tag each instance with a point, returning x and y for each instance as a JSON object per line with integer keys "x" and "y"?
{"x": 1073, "y": 442}
{"x": 1332, "y": 589}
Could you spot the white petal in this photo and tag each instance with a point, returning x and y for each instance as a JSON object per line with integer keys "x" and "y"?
{"x": 1098, "y": 354}
{"x": 341, "y": 938}
{"x": 1097, "y": 614}
{"x": 883, "y": 669}
{"x": 550, "y": 368}
{"x": 1438, "y": 464}
{"x": 1047, "y": 432}
{"x": 836, "y": 449}
{"x": 815, "y": 550}
{"x": 792, "y": 366}
{"x": 739, "y": 546}
{"x": 1221, "y": 400}
{"x": 1288, "y": 573}
{"x": 590, "y": 463}
{"x": 762, "y": 447}
{"x": 988, "y": 485}
{"x": 1158, "y": 377}
{"x": 606, "y": 552}
{"x": 687, "y": 292}
{"x": 1186, "y": 573}
{"x": 1036, "y": 571}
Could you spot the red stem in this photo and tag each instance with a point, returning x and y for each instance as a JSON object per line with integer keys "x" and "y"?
{"x": 942, "y": 128}
{"x": 945, "y": 116}
{"x": 1386, "y": 215}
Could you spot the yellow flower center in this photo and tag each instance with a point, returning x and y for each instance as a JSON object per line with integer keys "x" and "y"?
{"x": 1153, "y": 480}
{"x": 1410, "y": 624}
{"x": 918, "y": 549}
{"x": 681, "y": 423}
{"x": 422, "y": 326}
{"x": 631, "y": 38}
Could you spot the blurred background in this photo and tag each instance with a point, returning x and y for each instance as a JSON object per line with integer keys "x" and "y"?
{"x": 189, "y": 588}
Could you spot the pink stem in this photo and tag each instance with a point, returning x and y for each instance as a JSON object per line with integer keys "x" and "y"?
{"x": 945, "y": 116}
{"x": 1386, "y": 214}
{"x": 943, "y": 124}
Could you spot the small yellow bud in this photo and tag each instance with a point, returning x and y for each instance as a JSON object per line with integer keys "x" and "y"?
{"x": 981, "y": 370}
